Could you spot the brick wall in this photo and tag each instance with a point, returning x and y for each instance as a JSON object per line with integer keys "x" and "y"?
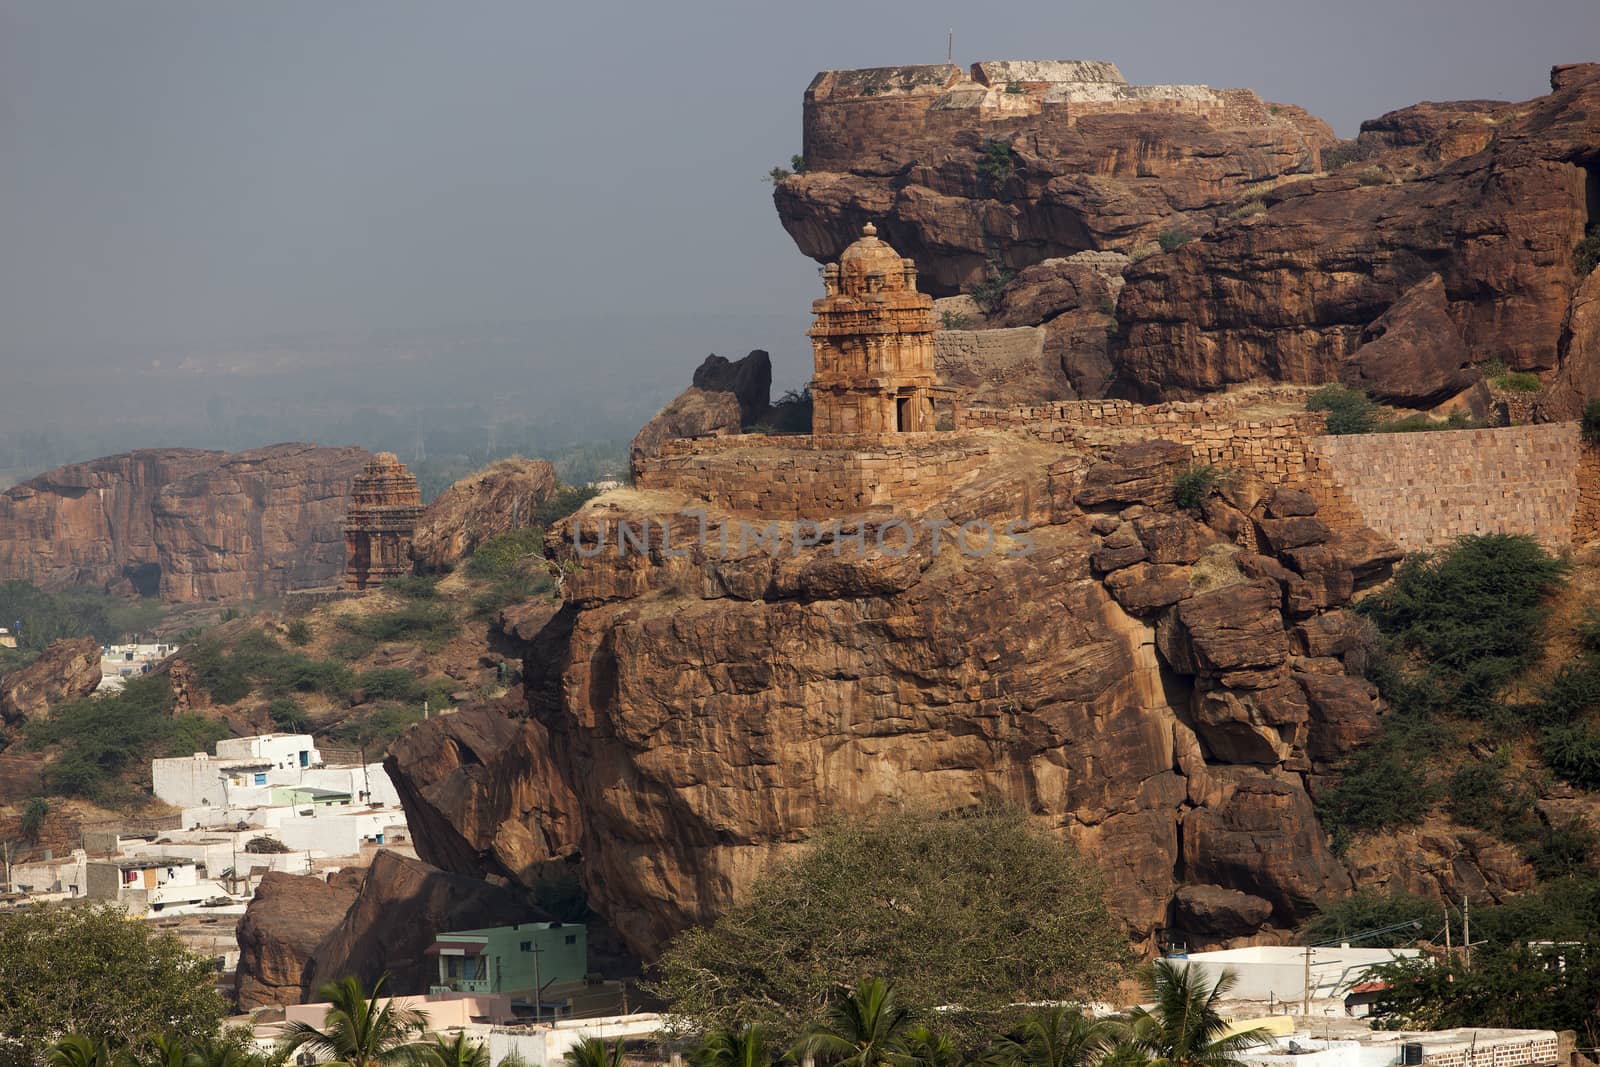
{"x": 1424, "y": 489}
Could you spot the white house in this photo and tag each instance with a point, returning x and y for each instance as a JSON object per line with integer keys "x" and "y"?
{"x": 1398, "y": 1048}
{"x": 148, "y": 883}
{"x": 1280, "y": 973}
{"x": 118, "y": 663}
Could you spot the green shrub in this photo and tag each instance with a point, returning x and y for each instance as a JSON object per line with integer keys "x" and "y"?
{"x": 34, "y": 814}
{"x": 350, "y": 648}
{"x": 1586, "y": 256}
{"x": 1193, "y": 482}
{"x": 1591, "y": 422}
{"x": 1519, "y": 382}
{"x": 513, "y": 590}
{"x": 778, "y": 174}
{"x": 428, "y": 624}
{"x": 1369, "y": 909}
{"x": 1474, "y": 611}
{"x": 995, "y": 163}
{"x": 1250, "y": 208}
{"x": 986, "y": 294}
{"x": 1371, "y": 176}
{"x": 1458, "y": 419}
{"x": 299, "y": 633}
{"x": 1479, "y": 795}
{"x": 507, "y": 555}
{"x": 1567, "y": 694}
{"x": 791, "y": 412}
{"x": 1380, "y": 788}
{"x": 797, "y": 163}
{"x": 1572, "y": 751}
{"x": 1565, "y": 850}
{"x": 375, "y": 731}
{"x": 413, "y": 587}
{"x": 287, "y": 715}
{"x": 1345, "y": 153}
{"x": 390, "y": 684}
{"x": 1172, "y": 240}
{"x": 1349, "y": 410}
{"x": 954, "y": 320}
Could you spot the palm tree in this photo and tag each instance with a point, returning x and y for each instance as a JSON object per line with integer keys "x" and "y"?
{"x": 922, "y": 1047}
{"x": 456, "y": 1053}
{"x": 358, "y": 1031}
{"x": 866, "y": 1027}
{"x": 1185, "y": 1028}
{"x": 746, "y": 1046}
{"x": 1057, "y": 1037}
{"x": 594, "y": 1052}
{"x": 221, "y": 1052}
{"x": 77, "y": 1050}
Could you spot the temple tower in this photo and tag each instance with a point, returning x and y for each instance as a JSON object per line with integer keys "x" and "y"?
{"x": 873, "y": 342}
{"x": 385, "y": 505}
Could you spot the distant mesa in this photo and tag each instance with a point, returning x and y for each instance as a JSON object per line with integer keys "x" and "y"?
{"x": 385, "y": 505}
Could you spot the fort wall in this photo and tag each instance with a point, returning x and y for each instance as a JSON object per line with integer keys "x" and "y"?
{"x": 816, "y": 478}
{"x": 1422, "y": 490}
{"x": 853, "y": 117}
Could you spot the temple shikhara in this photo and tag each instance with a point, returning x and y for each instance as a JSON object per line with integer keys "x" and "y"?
{"x": 385, "y": 504}
{"x": 873, "y": 342}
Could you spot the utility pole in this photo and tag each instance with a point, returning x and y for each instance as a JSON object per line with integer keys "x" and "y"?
{"x": 538, "y": 990}
{"x": 950, "y": 46}
{"x": 1466, "y": 930}
{"x": 1449, "y": 953}
{"x": 1305, "y": 999}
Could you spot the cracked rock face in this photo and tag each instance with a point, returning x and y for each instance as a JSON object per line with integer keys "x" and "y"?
{"x": 683, "y": 728}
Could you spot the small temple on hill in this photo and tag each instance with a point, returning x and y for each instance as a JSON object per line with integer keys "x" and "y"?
{"x": 873, "y": 343}
{"x": 385, "y": 504}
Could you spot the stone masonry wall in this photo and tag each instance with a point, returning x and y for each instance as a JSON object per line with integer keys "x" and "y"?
{"x": 1424, "y": 489}
{"x": 816, "y": 478}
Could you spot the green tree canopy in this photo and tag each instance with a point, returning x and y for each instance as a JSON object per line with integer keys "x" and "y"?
{"x": 978, "y": 910}
{"x": 1184, "y": 1027}
{"x": 362, "y": 1029}
{"x": 91, "y": 972}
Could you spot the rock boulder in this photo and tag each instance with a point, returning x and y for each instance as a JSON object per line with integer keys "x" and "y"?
{"x": 67, "y": 670}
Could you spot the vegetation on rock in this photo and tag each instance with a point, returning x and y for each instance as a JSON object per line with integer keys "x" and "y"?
{"x": 981, "y": 909}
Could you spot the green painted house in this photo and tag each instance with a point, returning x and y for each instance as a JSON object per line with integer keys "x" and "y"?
{"x": 512, "y": 959}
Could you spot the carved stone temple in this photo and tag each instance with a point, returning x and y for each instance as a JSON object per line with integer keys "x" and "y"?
{"x": 873, "y": 342}
{"x": 385, "y": 504}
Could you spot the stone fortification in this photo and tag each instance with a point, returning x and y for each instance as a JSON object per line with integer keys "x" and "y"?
{"x": 817, "y": 478}
{"x": 854, "y": 115}
{"x": 1423, "y": 489}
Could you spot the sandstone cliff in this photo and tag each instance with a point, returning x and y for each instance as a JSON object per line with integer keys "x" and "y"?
{"x": 723, "y": 398}
{"x": 497, "y": 500}
{"x": 1440, "y": 239}
{"x": 1159, "y": 685}
{"x": 67, "y": 670}
{"x": 287, "y": 918}
{"x": 187, "y": 524}
{"x": 402, "y": 905}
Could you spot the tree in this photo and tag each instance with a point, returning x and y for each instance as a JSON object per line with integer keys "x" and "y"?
{"x": 1185, "y": 1029}
{"x": 594, "y": 1052}
{"x": 33, "y": 816}
{"x": 865, "y": 1027}
{"x": 77, "y": 1050}
{"x": 89, "y": 971}
{"x": 1553, "y": 987}
{"x": 456, "y": 1052}
{"x": 981, "y": 909}
{"x": 1056, "y": 1037}
{"x": 748, "y": 1046}
{"x": 922, "y": 1047}
{"x": 361, "y": 1029}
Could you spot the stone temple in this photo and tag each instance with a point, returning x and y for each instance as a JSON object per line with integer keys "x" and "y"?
{"x": 873, "y": 342}
{"x": 385, "y": 504}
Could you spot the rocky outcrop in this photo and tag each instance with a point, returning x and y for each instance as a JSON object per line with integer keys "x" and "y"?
{"x": 967, "y": 184}
{"x": 1439, "y": 239}
{"x": 497, "y": 500}
{"x": 725, "y": 398}
{"x": 402, "y": 906}
{"x": 183, "y": 523}
{"x": 1132, "y": 679}
{"x": 483, "y": 795}
{"x": 67, "y": 670}
{"x": 287, "y": 918}
{"x": 1295, "y": 293}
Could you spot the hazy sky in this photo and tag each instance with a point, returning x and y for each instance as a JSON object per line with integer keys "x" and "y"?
{"x": 195, "y": 171}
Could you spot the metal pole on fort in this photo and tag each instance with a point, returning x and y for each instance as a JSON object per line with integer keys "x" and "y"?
{"x": 950, "y": 46}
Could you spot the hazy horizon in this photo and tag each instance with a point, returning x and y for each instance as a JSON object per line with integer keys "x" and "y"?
{"x": 210, "y": 209}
